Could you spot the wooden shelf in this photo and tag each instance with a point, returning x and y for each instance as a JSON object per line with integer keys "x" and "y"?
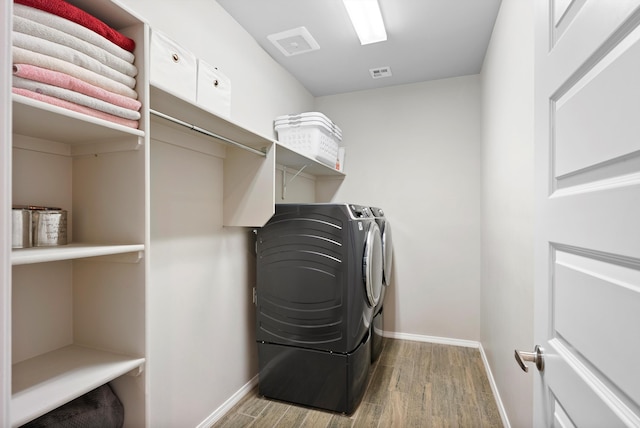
{"x": 23, "y": 256}
{"x": 62, "y": 124}
{"x": 177, "y": 107}
{"x": 292, "y": 159}
{"x": 45, "y": 382}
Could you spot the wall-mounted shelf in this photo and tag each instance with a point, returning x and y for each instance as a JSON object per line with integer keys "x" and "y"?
{"x": 207, "y": 133}
{"x": 296, "y": 161}
{"x": 42, "y": 383}
{"x": 174, "y": 106}
{"x": 177, "y": 107}
{"x": 249, "y": 181}
{"x": 63, "y": 125}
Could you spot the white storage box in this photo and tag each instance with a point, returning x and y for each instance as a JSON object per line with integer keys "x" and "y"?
{"x": 173, "y": 68}
{"x": 316, "y": 141}
{"x": 214, "y": 90}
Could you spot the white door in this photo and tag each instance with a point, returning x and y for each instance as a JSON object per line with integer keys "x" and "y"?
{"x": 588, "y": 213}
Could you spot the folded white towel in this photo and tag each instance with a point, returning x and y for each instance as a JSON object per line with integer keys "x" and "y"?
{"x": 45, "y": 47}
{"x": 32, "y": 28}
{"x": 24, "y": 56}
{"x": 70, "y": 27}
{"x": 74, "y": 97}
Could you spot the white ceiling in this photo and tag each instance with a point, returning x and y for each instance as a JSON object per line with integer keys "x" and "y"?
{"x": 427, "y": 40}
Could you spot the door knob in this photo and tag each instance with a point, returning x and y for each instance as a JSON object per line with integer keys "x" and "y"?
{"x": 536, "y": 357}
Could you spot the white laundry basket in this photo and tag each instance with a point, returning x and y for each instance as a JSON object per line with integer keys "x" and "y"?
{"x": 311, "y": 134}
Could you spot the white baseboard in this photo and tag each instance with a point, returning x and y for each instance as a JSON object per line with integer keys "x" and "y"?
{"x": 228, "y": 405}
{"x": 494, "y": 388}
{"x": 432, "y": 339}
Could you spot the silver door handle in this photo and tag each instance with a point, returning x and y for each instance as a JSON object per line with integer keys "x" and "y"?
{"x": 536, "y": 357}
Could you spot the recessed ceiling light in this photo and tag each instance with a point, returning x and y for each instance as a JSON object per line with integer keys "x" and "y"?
{"x": 367, "y": 20}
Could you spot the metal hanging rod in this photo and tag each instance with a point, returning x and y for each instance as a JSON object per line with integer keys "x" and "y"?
{"x": 207, "y": 133}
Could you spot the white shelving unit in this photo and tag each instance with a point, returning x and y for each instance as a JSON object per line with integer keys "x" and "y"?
{"x": 78, "y": 311}
{"x": 247, "y": 202}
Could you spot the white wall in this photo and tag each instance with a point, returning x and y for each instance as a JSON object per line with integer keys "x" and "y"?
{"x": 201, "y": 317}
{"x": 507, "y": 201}
{"x": 414, "y": 150}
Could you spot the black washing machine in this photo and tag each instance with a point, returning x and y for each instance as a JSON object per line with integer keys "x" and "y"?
{"x": 387, "y": 258}
{"x": 319, "y": 278}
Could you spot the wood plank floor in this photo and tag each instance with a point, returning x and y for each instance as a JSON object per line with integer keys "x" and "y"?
{"x": 412, "y": 384}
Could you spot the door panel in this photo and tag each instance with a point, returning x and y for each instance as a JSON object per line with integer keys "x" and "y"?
{"x": 581, "y": 397}
{"x": 588, "y": 209}
{"x": 584, "y": 31}
{"x": 611, "y": 110}
{"x": 596, "y": 305}
{"x": 599, "y": 218}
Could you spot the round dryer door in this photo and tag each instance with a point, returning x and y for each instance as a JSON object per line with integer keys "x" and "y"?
{"x": 373, "y": 265}
{"x": 387, "y": 247}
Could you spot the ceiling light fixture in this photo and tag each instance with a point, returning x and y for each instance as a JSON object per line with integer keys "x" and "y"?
{"x": 367, "y": 20}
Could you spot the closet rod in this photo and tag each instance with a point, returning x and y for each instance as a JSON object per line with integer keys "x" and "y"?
{"x": 207, "y": 133}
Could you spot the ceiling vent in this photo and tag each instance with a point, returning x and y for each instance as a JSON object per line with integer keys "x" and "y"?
{"x": 294, "y": 42}
{"x": 380, "y": 72}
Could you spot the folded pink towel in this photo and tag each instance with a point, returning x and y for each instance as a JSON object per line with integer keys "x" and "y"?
{"x": 74, "y": 97}
{"x": 70, "y": 27}
{"x": 75, "y": 107}
{"x": 45, "y": 47}
{"x": 32, "y": 28}
{"x": 24, "y": 56}
{"x": 79, "y": 16}
{"x": 66, "y": 81}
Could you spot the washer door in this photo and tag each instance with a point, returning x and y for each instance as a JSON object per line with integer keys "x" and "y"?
{"x": 373, "y": 264}
{"x": 387, "y": 248}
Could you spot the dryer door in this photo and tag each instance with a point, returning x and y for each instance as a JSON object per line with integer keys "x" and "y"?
{"x": 372, "y": 264}
{"x": 387, "y": 248}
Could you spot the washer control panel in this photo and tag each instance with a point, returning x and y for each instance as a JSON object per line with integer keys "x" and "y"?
{"x": 359, "y": 211}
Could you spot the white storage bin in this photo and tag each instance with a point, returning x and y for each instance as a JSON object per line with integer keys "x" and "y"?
{"x": 335, "y": 132}
{"x": 315, "y": 141}
{"x": 214, "y": 90}
{"x": 309, "y": 118}
{"x": 173, "y": 68}
{"x": 306, "y": 115}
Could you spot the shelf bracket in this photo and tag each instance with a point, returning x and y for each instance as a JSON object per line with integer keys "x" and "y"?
{"x": 137, "y": 371}
{"x": 285, "y": 183}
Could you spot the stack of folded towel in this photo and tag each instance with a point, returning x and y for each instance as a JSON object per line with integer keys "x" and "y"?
{"x": 66, "y": 57}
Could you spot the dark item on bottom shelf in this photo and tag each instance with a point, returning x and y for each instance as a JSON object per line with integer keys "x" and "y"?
{"x": 98, "y": 408}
